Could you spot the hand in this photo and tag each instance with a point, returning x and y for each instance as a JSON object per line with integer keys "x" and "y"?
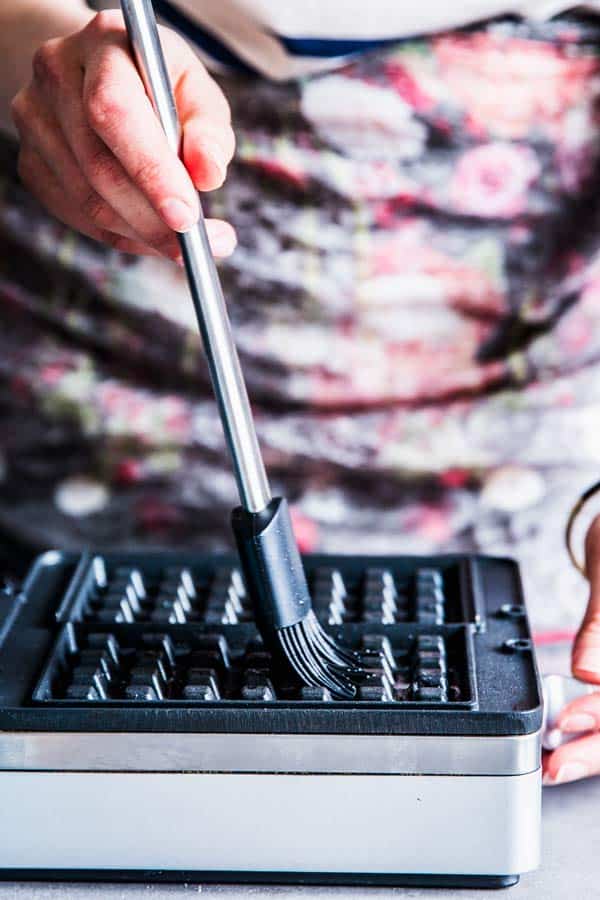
{"x": 94, "y": 154}
{"x": 581, "y": 758}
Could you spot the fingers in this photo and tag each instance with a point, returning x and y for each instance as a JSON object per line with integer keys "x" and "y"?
{"x": 41, "y": 181}
{"x": 222, "y": 237}
{"x": 572, "y": 761}
{"x": 36, "y": 173}
{"x": 43, "y": 135}
{"x": 582, "y": 714}
{"x": 39, "y": 178}
{"x": 586, "y": 649}
{"x": 121, "y": 115}
{"x": 101, "y": 169}
{"x": 208, "y": 141}
{"x": 87, "y": 116}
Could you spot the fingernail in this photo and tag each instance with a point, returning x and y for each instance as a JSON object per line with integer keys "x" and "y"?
{"x": 212, "y": 157}
{"x": 578, "y": 722}
{"x": 222, "y": 242}
{"x": 588, "y": 661}
{"x": 568, "y": 772}
{"x": 178, "y": 214}
{"x": 554, "y": 739}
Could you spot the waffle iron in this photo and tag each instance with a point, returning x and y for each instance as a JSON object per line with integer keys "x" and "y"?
{"x": 145, "y": 733}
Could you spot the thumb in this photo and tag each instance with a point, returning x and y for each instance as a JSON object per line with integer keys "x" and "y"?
{"x": 586, "y": 649}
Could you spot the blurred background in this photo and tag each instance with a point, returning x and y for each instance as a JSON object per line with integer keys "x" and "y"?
{"x": 416, "y": 300}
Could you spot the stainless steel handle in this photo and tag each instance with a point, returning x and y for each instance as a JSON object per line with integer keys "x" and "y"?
{"x": 205, "y": 287}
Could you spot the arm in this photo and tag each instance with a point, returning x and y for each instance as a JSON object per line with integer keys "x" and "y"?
{"x": 91, "y": 148}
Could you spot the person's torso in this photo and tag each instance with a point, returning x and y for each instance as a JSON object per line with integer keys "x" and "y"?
{"x": 283, "y": 39}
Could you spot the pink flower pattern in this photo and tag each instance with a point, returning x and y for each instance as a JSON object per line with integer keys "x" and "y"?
{"x": 415, "y": 296}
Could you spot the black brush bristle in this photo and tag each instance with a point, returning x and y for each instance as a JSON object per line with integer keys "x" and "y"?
{"x": 317, "y": 658}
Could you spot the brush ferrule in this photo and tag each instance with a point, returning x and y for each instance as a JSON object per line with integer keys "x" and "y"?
{"x": 271, "y": 564}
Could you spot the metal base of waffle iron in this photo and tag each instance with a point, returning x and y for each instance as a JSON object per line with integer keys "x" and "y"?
{"x": 367, "y": 824}
{"x": 118, "y": 877}
{"x": 270, "y": 753}
{"x": 145, "y": 728}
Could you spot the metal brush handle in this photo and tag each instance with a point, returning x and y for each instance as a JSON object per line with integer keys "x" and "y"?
{"x": 203, "y": 279}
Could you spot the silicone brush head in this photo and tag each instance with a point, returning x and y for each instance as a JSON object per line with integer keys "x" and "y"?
{"x": 275, "y": 579}
{"x": 318, "y": 659}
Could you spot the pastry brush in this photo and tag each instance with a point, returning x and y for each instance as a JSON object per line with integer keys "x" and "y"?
{"x": 262, "y": 527}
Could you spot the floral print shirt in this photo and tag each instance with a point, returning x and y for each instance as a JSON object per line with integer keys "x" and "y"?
{"x": 415, "y": 297}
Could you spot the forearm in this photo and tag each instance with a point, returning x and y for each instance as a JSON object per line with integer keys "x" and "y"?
{"x": 24, "y": 25}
